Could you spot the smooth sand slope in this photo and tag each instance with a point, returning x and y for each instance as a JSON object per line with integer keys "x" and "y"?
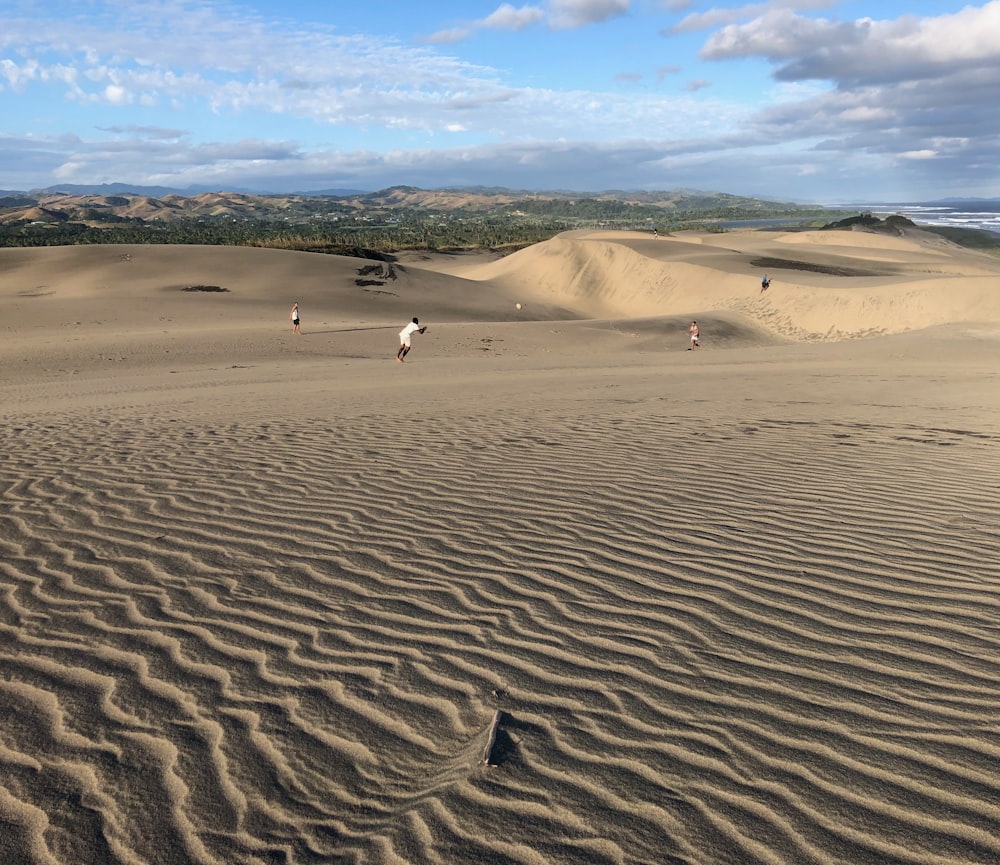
{"x": 267, "y": 598}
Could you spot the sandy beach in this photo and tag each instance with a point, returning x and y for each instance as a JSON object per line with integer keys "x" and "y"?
{"x": 554, "y": 590}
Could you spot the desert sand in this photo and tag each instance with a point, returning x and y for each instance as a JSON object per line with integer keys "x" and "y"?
{"x": 554, "y": 590}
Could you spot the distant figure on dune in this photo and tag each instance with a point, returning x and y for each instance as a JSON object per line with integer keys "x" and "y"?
{"x": 404, "y": 337}
{"x": 294, "y": 316}
{"x": 695, "y": 333}
{"x": 765, "y": 284}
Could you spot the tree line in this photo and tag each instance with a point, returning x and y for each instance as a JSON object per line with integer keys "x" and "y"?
{"x": 517, "y": 225}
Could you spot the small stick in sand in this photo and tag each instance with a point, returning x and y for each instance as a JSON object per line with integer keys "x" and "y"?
{"x": 491, "y": 741}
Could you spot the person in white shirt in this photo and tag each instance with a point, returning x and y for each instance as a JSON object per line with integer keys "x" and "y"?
{"x": 294, "y": 316}
{"x": 404, "y": 337}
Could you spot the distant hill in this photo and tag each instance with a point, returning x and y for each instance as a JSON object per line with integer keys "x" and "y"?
{"x": 867, "y": 222}
{"x": 401, "y": 217}
{"x": 117, "y": 202}
{"x": 371, "y": 223}
{"x": 16, "y": 199}
{"x": 96, "y": 209}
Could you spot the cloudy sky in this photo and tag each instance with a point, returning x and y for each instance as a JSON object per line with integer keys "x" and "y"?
{"x": 805, "y": 100}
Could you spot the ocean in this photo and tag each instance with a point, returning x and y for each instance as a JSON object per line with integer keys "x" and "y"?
{"x": 984, "y": 214}
{"x": 957, "y": 214}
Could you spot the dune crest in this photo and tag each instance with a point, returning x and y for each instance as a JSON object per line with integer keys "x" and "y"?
{"x": 824, "y": 286}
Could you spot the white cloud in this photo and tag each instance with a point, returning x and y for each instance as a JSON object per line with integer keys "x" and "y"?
{"x": 116, "y": 94}
{"x": 559, "y": 14}
{"x": 570, "y": 14}
{"x": 902, "y": 91}
{"x": 68, "y": 170}
{"x": 152, "y": 132}
{"x": 723, "y": 16}
{"x": 506, "y": 17}
{"x": 867, "y": 114}
{"x": 175, "y": 47}
{"x": 734, "y": 163}
{"x": 451, "y": 36}
{"x": 18, "y": 75}
{"x": 864, "y": 50}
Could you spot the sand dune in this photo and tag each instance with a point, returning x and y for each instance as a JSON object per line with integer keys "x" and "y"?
{"x": 821, "y": 289}
{"x": 266, "y": 598}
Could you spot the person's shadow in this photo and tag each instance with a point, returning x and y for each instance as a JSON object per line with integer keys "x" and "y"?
{"x": 350, "y": 329}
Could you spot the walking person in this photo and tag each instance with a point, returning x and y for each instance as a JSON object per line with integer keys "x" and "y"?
{"x": 294, "y": 316}
{"x": 695, "y": 333}
{"x": 404, "y": 337}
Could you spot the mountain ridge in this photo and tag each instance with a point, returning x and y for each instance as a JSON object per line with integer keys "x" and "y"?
{"x": 119, "y": 202}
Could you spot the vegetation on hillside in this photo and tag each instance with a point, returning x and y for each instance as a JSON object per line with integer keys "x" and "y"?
{"x": 890, "y": 225}
{"x": 392, "y": 219}
{"x": 974, "y": 238}
{"x": 402, "y": 217}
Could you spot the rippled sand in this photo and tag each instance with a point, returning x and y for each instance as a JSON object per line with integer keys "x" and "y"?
{"x": 552, "y": 591}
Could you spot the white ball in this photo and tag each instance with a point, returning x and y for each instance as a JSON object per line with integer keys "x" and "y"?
{"x": 517, "y": 305}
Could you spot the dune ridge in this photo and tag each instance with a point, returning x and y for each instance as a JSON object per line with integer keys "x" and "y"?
{"x": 818, "y": 290}
{"x": 267, "y": 599}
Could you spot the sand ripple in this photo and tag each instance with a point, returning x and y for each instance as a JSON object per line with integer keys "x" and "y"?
{"x": 710, "y": 642}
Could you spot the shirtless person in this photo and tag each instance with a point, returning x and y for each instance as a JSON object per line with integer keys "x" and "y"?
{"x": 695, "y": 333}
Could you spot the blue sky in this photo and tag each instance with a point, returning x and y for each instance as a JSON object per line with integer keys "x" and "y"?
{"x": 805, "y": 100}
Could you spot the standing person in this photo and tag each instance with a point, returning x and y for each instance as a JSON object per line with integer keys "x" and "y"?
{"x": 695, "y": 333}
{"x": 294, "y": 316}
{"x": 404, "y": 337}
